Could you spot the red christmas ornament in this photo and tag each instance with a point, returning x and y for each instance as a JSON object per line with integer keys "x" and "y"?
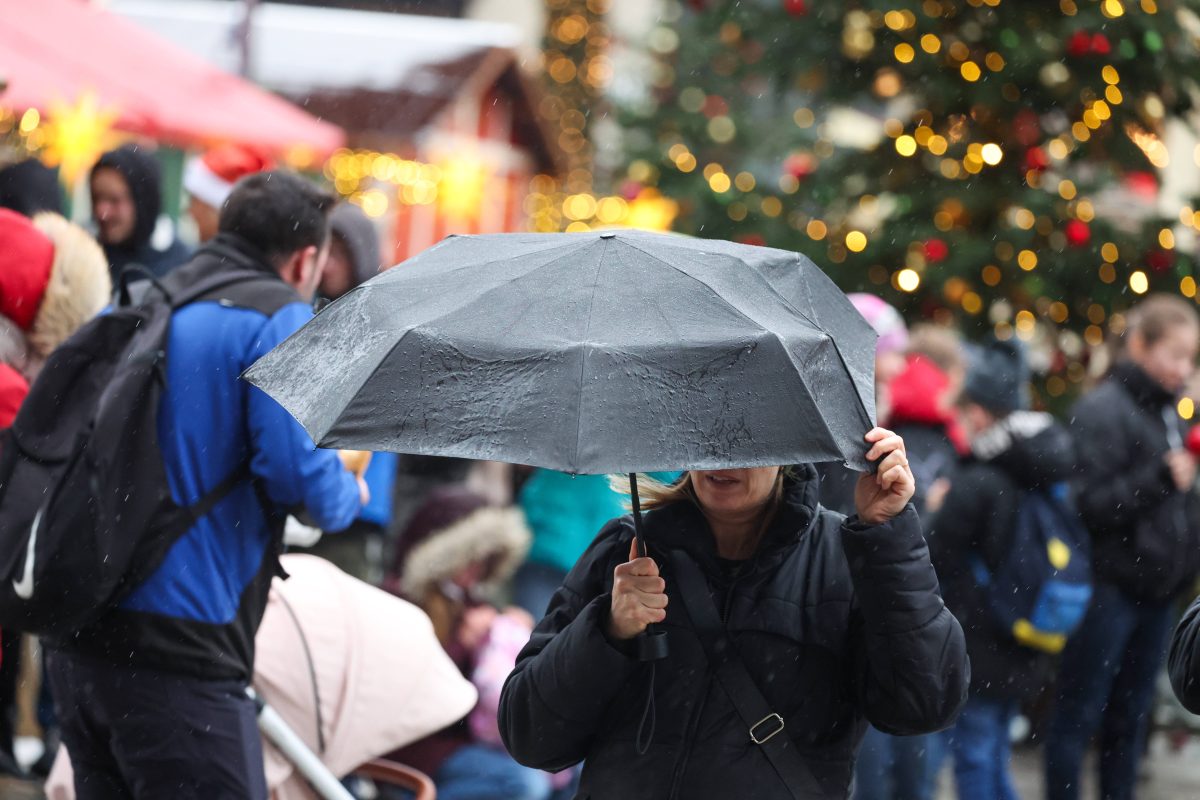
{"x": 1079, "y": 45}
{"x": 630, "y": 189}
{"x": 1100, "y": 45}
{"x": 936, "y": 250}
{"x": 800, "y": 165}
{"x": 1036, "y": 159}
{"x": 797, "y": 8}
{"x": 1078, "y": 233}
{"x": 1160, "y": 260}
{"x": 752, "y": 238}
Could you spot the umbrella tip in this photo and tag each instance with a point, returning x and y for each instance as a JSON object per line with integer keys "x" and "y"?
{"x": 608, "y": 235}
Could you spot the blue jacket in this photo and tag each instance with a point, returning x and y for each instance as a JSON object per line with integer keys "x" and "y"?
{"x": 198, "y": 612}
{"x": 381, "y": 481}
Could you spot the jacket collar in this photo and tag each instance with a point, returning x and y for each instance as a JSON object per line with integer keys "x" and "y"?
{"x": 1144, "y": 390}
{"x": 683, "y": 525}
{"x": 235, "y": 252}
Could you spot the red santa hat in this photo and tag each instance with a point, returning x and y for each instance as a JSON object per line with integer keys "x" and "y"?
{"x": 53, "y": 277}
{"x": 211, "y": 177}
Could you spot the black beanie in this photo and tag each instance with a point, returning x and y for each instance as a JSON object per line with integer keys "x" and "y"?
{"x": 998, "y": 377}
{"x": 141, "y": 172}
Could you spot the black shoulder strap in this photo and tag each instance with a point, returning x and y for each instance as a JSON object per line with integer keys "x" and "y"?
{"x": 189, "y": 516}
{"x": 215, "y": 283}
{"x": 763, "y": 725}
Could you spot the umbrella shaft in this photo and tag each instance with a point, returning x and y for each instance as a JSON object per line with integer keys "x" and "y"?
{"x": 637, "y": 515}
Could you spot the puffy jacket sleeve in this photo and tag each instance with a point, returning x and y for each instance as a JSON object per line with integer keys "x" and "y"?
{"x": 910, "y": 655}
{"x": 569, "y": 672}
{"x": 1184, "y": 660}
{"x": 292, "y": 470}
{"x": 1114, "y": 485}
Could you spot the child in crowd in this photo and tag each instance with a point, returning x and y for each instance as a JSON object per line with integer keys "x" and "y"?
{"x": 1014, "y": 453}
{"x": 922, "y": 411}
{"x": 455, "y": 550}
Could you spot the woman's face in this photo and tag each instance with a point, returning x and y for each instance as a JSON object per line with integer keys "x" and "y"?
{"x": 1171, "y": 360}
{"x": 734, "y": 492}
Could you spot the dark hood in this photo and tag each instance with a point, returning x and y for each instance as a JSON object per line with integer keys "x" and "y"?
{"x": 142, "y": 174}
{"x": 349, "y": 224}
{"x": 1031, "y": 446}
{"x": 30, "y": 187}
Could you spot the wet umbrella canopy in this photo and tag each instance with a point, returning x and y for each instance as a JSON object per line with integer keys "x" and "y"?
{"x": 587, "y": 353}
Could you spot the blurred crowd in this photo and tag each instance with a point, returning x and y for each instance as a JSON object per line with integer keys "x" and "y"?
{"x": 482, "y": 547}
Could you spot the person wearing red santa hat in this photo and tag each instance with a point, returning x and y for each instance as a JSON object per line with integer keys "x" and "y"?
{"x": 53, "y": 278}
{"x": 210, "y": 178}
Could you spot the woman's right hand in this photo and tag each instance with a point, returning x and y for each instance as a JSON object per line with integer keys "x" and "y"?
{"x": 638, "y": 596}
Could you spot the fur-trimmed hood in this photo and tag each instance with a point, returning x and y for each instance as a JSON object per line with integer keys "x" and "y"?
{"x": 484, "y": 533}
{"x": 78, "y": 289}
{"x": 53, "y": 279}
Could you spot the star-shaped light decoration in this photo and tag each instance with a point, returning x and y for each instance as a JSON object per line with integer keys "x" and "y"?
{"x": 76, "y": 135}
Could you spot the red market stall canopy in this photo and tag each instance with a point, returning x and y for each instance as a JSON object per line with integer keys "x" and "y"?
{"x": 55, "y": 52}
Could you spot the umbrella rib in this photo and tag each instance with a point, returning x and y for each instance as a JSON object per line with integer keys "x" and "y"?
{"x": 765, "y": 329}
{"x": 800, "y": 375}
{"x": 713, "y": 291}
{"x": 584, "y": 354}
{"x": 768, "y": 286}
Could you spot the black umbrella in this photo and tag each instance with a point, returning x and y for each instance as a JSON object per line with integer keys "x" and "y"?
{"x": 587, "y": 353}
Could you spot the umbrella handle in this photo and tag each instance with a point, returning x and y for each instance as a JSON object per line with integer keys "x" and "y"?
{"x": 651, "y": 644}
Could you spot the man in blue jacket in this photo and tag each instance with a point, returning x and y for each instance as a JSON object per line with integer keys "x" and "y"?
{"x": 152, "y": 696}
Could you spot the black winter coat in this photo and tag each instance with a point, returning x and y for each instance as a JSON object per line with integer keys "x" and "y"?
{"x": 1184, "y": 661}
{"x": 1145, "y": 533}
{"x": 838, "y": 622}
{"x": 1026, "y": 451}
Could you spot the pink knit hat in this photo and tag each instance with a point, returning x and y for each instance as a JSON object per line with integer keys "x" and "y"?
{"x": 886, "y": 320}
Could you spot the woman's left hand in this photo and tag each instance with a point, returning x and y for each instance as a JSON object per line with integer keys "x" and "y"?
{"x": 881, "y": 495}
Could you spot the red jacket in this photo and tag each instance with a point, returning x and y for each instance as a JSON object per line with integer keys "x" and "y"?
{"x": 13, "y": 388}
{"x": 919, "y": 397}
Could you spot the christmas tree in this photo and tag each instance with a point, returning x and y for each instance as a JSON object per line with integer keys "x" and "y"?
{"x": 994, "y": 163}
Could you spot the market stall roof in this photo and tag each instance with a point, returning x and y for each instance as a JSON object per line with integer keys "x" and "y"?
{"x": 300, "y": 48}
{"x": 384, "y": 77}
{"x": 57, "y": 51}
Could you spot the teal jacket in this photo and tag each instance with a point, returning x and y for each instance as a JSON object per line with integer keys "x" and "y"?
{"x": 566, "y": 513}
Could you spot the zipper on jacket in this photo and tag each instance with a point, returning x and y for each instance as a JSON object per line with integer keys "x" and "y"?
{"x": 689, "y": 736}
{"x": 694, "y": 720}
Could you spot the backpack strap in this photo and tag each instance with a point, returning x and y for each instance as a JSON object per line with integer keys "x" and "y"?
{"x": 215, "y": 283}
{"x": 763, "y": 725}
{"x": 190, "y": 515}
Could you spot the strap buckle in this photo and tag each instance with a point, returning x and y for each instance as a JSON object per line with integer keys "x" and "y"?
{"x": 754, "y": 737}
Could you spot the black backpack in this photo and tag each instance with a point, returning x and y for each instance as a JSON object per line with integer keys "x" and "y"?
{"x": 86, "y": 512}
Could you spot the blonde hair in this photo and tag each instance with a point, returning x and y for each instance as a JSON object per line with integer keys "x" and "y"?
{"x": 653, "y": 493}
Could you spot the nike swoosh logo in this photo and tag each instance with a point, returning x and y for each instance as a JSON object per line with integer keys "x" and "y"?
{"x": 24, "y": 587}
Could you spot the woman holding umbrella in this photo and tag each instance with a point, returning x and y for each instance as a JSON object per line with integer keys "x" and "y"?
{"x": 837, "y": 621}
{"x": 622, "y": 351}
